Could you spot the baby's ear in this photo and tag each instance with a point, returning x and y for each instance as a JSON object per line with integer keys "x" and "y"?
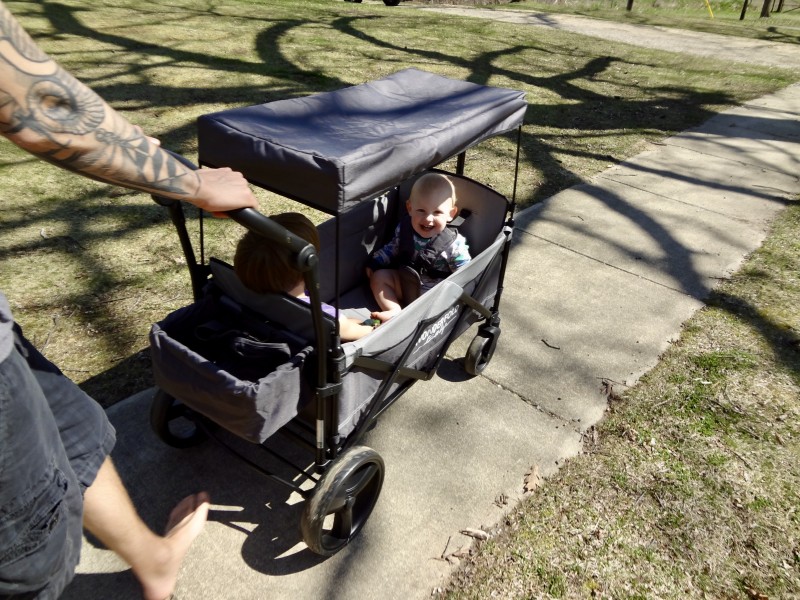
{"x": 453, "y": 212}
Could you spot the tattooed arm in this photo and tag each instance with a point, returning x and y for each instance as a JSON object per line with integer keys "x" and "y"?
{"x": 49, "y": 113}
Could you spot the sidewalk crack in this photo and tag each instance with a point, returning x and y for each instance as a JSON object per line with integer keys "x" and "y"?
{"x": 535, "y": 405}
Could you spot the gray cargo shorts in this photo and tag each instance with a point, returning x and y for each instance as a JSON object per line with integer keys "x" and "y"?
{"x": 53, "y": 440}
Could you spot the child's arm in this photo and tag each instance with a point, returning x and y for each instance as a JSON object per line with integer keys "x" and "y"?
{"x": 352, "y": 329}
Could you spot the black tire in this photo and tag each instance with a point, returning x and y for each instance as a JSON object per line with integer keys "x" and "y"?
{"x": 479, "y": 354}
{"x": 342, "y": 500}
{"x": 391, "y": 2}
{"x": 172, "y": 423}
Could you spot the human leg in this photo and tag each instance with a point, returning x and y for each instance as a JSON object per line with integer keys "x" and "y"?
{"x": 41, "y": 505}
{"x": 110, "y": 515}
{"x": 385, "y": 285}
{"x": 105, "y": 509}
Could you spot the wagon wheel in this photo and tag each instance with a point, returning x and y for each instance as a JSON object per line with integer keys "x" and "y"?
{"x": 173, "y": 423}
{"x": 342, "y": 500}
{"x": 480, "y": 352}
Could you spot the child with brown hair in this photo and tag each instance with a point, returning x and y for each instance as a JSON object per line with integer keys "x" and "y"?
{"x": 266, "y": 268}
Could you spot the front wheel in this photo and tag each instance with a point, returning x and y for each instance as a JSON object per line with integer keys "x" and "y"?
{"x": 342, "y": 500}
{"x": 480, "y": 352}
{"x": 391, "y": 2}
{"x": 171, "y": 422}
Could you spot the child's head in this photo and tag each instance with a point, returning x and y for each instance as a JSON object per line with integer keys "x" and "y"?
{"x": 432, "y": 204}
{"x": 265, "y": 267}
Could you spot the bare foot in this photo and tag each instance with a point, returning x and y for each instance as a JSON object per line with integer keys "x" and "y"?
{"x": 384, "y": 315}
{"x": 185, "y": 523}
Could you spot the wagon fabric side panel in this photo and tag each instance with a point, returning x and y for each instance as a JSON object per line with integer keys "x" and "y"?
{"x": 249, "y": 386}
{"x": 413, "y": 340}
{"x": 364, "y": 229}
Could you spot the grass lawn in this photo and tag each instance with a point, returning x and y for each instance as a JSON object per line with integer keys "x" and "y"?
{"x": 690, "y": 487}
{"x": 88, "y": 267}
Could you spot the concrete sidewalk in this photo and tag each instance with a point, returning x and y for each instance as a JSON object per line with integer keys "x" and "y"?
{"x": 600, "y": 279}
{"x": 709, "y": 45}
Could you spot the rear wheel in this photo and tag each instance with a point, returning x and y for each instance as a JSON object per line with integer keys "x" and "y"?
{"x": 173, "y": 423}
{"x": 342, "y": 500}
{"x": 391, "y": 2}
{"x": 480, "y": 352}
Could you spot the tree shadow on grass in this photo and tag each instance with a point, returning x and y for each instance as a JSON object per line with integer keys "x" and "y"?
{"x": 583, "y": 113}
{"x": 587, "y": 110}
{"x": 784, "y": 342}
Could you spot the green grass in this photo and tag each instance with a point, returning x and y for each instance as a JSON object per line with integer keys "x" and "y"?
{"x": 88, "y": 267}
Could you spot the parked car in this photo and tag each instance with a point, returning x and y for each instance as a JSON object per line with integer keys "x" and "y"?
{"x": 386, "y": 2}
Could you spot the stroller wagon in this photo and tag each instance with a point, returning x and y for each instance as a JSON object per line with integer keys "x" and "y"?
{"x": 257, "y": 365}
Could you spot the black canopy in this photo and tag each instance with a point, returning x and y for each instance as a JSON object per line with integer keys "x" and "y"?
{"x": 334, "y": 149}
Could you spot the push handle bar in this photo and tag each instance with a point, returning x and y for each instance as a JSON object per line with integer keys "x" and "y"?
{"x": 306, "y": 260}
{"x": 305, "y": 255}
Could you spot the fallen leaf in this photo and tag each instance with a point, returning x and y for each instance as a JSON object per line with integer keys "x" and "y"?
{"x": 532, "y": 480}
{"x": 754, "y": 594}
{"x": 478, "y": 534}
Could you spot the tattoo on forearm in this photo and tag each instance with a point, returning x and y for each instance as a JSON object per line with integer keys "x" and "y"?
{"x": 55, "y": 107}
{"x": 73, "y": 126}
{"x": 15, "y": 42}
{"x": 153, "y": 169}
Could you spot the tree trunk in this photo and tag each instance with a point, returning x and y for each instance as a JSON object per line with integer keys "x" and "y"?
{"x": 765, "y": 8}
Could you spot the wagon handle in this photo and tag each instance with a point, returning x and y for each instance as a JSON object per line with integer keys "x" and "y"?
{"x": 250, "y": 218}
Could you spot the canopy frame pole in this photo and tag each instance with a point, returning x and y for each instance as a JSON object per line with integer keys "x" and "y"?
{"x": 516, "y": 171}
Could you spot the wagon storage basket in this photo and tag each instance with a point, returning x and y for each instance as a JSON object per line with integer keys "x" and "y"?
{"x": 241, "y": 373}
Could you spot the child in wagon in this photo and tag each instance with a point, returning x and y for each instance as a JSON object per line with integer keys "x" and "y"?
{"x": 267, "y": 268}
{"x": 422, "y": 241}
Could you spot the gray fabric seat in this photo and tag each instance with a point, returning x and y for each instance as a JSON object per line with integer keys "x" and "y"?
{"x": 370, "y": 225}
{"x": 288, "y": 312}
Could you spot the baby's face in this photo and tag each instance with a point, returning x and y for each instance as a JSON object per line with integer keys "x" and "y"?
{"x": 431, "y": 214}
